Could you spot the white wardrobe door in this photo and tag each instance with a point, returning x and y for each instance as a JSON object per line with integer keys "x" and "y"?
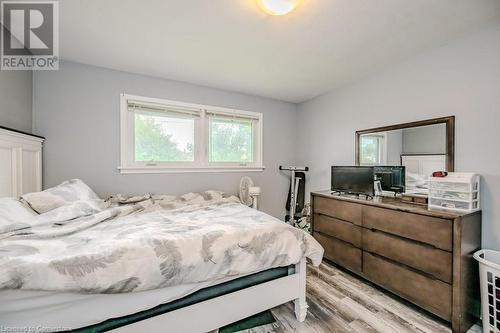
{"x": 7, "y": 171}
{"x": 31, "y": 170}
{"x": 412, "y": 164}
{"x": 432, "y": 164}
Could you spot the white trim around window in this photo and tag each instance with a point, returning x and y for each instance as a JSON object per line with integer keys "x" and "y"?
{"x": 200, "y": 117}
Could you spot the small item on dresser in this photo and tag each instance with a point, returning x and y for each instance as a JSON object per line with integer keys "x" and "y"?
{"x": 418, "y": 199}
{"x": 440, "y": 174}
{"x": 458, "y": 192}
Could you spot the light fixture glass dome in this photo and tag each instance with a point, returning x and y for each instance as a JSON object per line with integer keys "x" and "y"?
{"x": 278, "y": 7}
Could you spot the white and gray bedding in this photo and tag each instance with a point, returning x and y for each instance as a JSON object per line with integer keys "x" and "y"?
{"x": 69, "y": 193}
{"x": 143, "y": 243}
{"x": 417, "y": 184}
{"x": 11, "y": 212}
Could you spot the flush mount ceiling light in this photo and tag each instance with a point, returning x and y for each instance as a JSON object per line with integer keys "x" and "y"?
{"x": 278, "y": 7}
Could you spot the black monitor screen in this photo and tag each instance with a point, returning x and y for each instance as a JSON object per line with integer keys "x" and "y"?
{"x": 353, "y": 179}
{"x": 392, "y": 178}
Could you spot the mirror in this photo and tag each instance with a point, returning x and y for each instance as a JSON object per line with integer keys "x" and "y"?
{"x": 421, "y": 147}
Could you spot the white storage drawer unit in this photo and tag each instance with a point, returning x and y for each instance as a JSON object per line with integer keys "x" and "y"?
{"x": 454, "y": 205}
{"x": 468, "y": 196}
{"x": 20, "y": 163}
{"x": 438, "y": 183}
{"x": 459, "y": 191}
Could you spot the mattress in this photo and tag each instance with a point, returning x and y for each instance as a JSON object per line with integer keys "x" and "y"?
{"x": 56, "y": 311}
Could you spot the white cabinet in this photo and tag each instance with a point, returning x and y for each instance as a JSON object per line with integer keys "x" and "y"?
{"x": 20, "y": 163}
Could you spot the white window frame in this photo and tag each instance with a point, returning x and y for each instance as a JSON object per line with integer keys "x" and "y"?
{"x": 201, "y": 139}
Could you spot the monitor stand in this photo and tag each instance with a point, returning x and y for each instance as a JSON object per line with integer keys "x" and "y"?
{"x": 357, "y": 195}
{"x": 367, "y": 196}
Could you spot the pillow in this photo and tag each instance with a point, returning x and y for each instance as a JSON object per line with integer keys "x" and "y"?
{"x": 67, "y": 193}
{"x": 69, "y": 212}
{"x": 14, "y": 215}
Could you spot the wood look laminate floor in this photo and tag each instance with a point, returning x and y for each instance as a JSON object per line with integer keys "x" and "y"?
{"x": 340, "y": 302}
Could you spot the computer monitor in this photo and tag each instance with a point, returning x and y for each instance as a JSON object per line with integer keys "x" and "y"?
{"x": 353, "y": 180}
{"x": 392, "y": 178}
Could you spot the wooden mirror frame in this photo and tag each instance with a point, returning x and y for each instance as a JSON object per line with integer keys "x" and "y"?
{"x": 450, "y": 136}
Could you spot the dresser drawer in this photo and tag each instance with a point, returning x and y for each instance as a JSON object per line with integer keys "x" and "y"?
{"x": 339, "y": 209}
{"x": 431, "y": 230}
{"x": 340, "y": 229}
{"x": 340, "y": 252}
{"x": 430, "y": 294}
{"x": 428, "y": 259}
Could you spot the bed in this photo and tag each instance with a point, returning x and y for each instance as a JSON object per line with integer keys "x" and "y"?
{"x": 131, "y": 264}
{"x": 418, "y": 170}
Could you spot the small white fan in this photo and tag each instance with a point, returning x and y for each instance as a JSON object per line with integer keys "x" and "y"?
{"x": 249, "y": 192}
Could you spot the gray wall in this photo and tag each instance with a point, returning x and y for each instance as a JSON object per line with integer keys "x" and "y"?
{"x": 77, "y": 110}
{"x": 425, "y": 140}
{"x": 15, "y": 99}
{"x": 461, "y": 78}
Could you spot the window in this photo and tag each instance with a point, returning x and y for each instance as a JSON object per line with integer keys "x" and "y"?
{"x": 163, "y": 137}
{"x": 168, "y": 136}
{"x": 372, "y": 150}
{"x": 231, "y": 140}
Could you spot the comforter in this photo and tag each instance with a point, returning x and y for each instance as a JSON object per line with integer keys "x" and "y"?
{"x": 148, "y": 242}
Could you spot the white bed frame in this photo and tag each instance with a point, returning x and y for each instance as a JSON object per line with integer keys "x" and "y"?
{"x": 223, "y": 310}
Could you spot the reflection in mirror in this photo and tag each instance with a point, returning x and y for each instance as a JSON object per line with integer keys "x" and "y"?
{"x": 373, "y": 149}
{"x": 421, "y": 150}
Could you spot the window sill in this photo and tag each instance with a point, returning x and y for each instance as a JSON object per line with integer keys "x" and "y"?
{"x": 147, "y": 170}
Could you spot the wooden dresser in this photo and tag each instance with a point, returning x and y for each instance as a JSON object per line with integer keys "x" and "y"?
{"x": 422, "y": 256}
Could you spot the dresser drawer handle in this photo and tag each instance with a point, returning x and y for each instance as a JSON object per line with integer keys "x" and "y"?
{"x": 416, "y": 271}
{"x": 427, "y": 245}
{"x": 335, "y": 219}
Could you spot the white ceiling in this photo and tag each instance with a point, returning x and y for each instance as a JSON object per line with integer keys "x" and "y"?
{"x": 231, "y": 44}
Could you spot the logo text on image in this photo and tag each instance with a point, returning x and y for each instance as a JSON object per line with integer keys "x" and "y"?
{"x": 30, "y": 35}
